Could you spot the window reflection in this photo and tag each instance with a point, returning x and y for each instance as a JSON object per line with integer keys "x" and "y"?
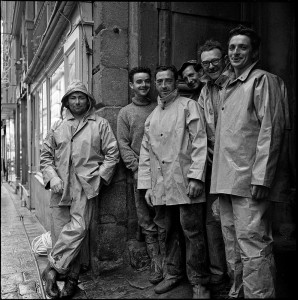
{"x": 56, "y": 91}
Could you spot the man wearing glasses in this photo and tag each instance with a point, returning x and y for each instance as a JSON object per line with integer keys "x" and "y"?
{"x": 211, "y": 55}
{"x": 171, "y": 170}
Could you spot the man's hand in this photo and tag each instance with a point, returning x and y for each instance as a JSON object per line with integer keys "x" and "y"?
{"x": 56, "y": 185}
{"x": 195, "y": 188}
{"x": 148, "y": 197}
{"x": 259, "y": 192}
{"x": 135, "y": 175}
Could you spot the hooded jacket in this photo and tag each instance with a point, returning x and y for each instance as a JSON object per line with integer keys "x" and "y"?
{"x": 91, "y": 149}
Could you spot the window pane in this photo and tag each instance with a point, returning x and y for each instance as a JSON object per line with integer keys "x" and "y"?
{"x": 71, "y": 66}
{"x": 57, "y": 92}
{"x": 44, "y": 111}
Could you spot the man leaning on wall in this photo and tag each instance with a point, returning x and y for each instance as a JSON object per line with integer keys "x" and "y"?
{"x": 79, "y": 155}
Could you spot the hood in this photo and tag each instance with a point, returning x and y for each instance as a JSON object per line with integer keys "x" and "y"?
{"x": 78, "y": 86}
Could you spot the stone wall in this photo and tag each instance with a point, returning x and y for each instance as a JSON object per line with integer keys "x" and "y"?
{"x": 114, "y": 226}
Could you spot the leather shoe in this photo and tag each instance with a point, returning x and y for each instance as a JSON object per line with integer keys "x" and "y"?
{"x": 49, "y": 276}
{"x": 166, "y": 285}
{"x": 69, "y": 288}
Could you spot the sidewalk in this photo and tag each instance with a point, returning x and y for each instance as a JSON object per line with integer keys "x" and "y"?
{"x": 19, "y": 276}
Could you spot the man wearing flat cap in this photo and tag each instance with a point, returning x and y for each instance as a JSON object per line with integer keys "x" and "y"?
{"x": 190, "y": 73}
{"x": 79, "y": 154}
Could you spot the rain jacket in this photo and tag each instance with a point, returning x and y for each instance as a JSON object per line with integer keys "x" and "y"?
{"x": 208, "y": 97}
{"x": 249, "y": 134}
{"x": 173, "y": 150}
{"x": 92, "y": 150}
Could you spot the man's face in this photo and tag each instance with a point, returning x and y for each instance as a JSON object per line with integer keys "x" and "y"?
{"x": 165, "y": 83}
{"x": 191, "y": 77}
{"x": 141, "y": 84}
{"x": 78, "y": 103}
{"x": 240, "y": 52}
{"x": 212, "y": 63}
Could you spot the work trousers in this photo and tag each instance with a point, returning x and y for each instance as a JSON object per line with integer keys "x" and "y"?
{"x": 216, "y": 246}
{"x": 248, "y": 241}
{"x": 186, "y": 222}
{"x": 69, "y": 228}
{"x": 150, "y": 219}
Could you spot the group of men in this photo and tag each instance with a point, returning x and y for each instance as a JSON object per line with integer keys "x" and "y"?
{"x": 203, "y": 168}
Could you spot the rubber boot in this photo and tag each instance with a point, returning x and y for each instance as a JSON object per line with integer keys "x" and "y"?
{"x": 49, "y": 275}
{"x": 162, "y": 251}
{"x": 69, "y": 288}
{"x": 156, "y": 272}
{"x": 200, "y": 292}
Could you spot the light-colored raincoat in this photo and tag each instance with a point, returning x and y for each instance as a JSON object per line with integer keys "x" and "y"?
{"x": 83, "y": 154}
{"x": 92, "y": 149}
{"x": 174, "y": 149}
{"x": 248, "y": 138}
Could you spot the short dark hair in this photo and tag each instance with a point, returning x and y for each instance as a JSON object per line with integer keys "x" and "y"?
{"x": 208, "y": 46}
{"x": 255, "y": 40}
{"x": 161, "y": 68}
{"x": 136, "y": 70}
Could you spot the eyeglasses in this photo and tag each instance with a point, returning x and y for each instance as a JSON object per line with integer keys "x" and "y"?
{"x": 214, "y": 62}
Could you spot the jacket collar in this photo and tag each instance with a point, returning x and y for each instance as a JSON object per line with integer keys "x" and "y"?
{"x": 219, "y": 82}
{"x": 165, "y": 101}
{"x": 231, "y": 74}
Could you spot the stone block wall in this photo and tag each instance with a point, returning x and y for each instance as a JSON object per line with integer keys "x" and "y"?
{"x": 115, "y": 220}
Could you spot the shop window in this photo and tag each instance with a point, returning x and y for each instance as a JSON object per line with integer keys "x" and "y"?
{"x": 57, "y": 91}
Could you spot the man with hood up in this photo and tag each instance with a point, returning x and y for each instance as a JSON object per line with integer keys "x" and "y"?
{"x": 79, "y": 154}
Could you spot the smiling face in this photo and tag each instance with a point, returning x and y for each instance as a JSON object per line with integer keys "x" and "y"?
{"x": 141, "y": 84}
{"x": 240, "y": 53}
{"x": 165, "y": 83}
{"x": 191, "y": 77}
{"x": 212, "y": 62}
{"x": 78, "y": 103}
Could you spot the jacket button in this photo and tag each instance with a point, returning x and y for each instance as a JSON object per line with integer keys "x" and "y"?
{"x": 161, "y": 134}
{"x": 222, "y": 108}
{"x": 163, "y": 162}
{"x": 71, "y": 140}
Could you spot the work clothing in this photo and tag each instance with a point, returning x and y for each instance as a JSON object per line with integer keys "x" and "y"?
{"x": 248, "y": 141}
{"x": 249, "y": 133}
{"x": 250, "y": 260}
{"x": 92, "y": 149}
{"x": 174, "y": 149}
{"x": 209, "y": 101}
{"x": 185, "y": 225}
{"x": 130, "y": 130}
{"x": 83, "y": 154}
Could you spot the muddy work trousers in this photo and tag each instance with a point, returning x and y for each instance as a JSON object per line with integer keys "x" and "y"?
{"x": 248, "y": 241}
{"x": 69, "y": 229}
{"x": 185, "y": 236}
{"x": 216, "y": 246}
{"x": 150, "y": 219}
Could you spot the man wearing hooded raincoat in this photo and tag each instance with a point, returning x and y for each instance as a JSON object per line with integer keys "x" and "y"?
{"x": 172, "y": 170}
{"x": 248, "y": 140}
{"x": 79, "y": 154}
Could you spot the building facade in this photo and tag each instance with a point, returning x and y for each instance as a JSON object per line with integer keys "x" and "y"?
{"x": 47, "y": 44}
